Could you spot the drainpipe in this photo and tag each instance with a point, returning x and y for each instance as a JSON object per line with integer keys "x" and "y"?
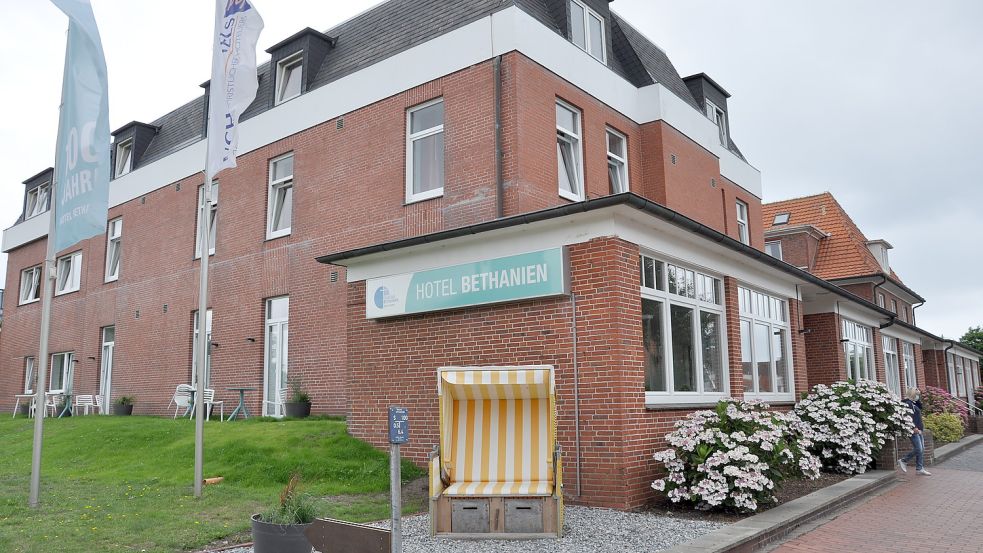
{"x": 913, "y": 308}
{"x": 876, "y": 286}
{"x": 576, "y": 388}
{"x": 499, "y": 171}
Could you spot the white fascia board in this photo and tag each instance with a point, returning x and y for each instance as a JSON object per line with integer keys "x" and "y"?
{"x": 28, "y": 231}
{"x": 504, "y": 31}
{"x": 830, "y": 302}
{"x": 964, "y": 353}
{"x": 902, "y": 333}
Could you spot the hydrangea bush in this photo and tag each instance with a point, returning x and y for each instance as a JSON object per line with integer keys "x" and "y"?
{"x": 851, "y": 422}
{"x": 938, "y": 401}
{"x": 734, "y": 456}
{"x": 978, "y": 394}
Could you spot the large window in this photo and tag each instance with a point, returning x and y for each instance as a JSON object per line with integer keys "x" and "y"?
{"x": 892, "y": 374}
{"x": 719, "y": 119}
{"x": 587, "y": 30}
{"x": 28, "y": 375}
{"x": 960, "y": 378}
{"x": 288, "y": 73}
{"x": 37, "y": 200}
{"x": 951, "y": 367}
{"x": 61, "y": 373}
{"x": 124, "y": 157}
{"x": 742, "y": 223}
{"x": 774, "y": 249}
{"x": 275, "y": 378}
{"x": 858, "y": 351}
{"x": 68, "y": 277}
{"x": 568, "y": 152}
{"x": 281, "y": 196}
{"x": 425, "y": 151}
{"x": 908, "y": 356}
{"x": 683, "y": 334}
{"x": 765, "y": 357}
{"x": 617, "y": 162}
{"x": 208, "y": 349}
{"x": 30, "y": 285}
{"x": 114, "y": 247}
{"x": 212, "y": 221}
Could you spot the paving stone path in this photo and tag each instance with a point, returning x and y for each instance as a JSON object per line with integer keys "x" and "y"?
{"x": 938, "y": 513}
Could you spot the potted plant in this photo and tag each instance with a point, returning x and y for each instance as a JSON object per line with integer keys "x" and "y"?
{"x": 123, "y": 406}
{"x": 299, "y": 403}
{"x": 281, "y": 529}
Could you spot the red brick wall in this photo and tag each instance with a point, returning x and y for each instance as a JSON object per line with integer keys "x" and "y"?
{"x": 798, "y": 249}
{"x": 936, "y": 372}
{"x": 798, "y": 344}
{"x": 823, "y": 348}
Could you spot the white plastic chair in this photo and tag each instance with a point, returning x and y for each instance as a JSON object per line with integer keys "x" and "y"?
{"x": 210, "y": 401}
{"x": 181, "y": 398}
{"x": 101, "y": 409}
{"x": 51, "y": 402}
{"x": 85, "y": 402}
{"x": 278, "y": 402}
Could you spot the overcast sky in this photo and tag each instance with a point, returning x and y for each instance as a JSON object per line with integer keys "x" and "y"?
{"x": 874, "y": 101}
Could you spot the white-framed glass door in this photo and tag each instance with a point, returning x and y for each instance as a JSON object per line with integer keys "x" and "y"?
{"x": 276, "y": 354}
{"x": 106, "y": 369}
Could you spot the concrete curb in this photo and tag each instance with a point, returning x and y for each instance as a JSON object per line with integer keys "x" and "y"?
{"x": 949, "y": 450}
{"x": 775, "y": 524}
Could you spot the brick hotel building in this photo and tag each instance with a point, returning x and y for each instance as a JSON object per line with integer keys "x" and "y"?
{"x": 420, "y": 137}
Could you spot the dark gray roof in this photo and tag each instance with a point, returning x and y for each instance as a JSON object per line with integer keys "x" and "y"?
{"x": 397, "y": 25}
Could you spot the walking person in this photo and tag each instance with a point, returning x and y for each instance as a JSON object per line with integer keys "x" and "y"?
{"x": 913, "y": 401}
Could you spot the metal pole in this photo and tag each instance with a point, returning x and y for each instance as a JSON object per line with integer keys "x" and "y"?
{"x": 395, "y": 486}
{"x": 204, "y": 224}
{"x": 47, "y": 293}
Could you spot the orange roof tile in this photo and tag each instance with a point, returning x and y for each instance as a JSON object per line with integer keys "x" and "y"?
{"x": 844, "y": 253}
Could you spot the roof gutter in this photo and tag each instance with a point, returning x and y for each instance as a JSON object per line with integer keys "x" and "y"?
{"x": 594, "y": 204}
{"x": 887, "y": 278}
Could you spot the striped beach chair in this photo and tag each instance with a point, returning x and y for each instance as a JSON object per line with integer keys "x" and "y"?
{"x": 497, "y": 469}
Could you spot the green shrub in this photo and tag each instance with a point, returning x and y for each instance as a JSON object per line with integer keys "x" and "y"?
{"x": 945, "y": 427}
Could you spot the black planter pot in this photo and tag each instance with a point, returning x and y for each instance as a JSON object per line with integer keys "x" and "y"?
{"x": 123, "y": 410}
{"x": 297, "y": 410}
{"x": 279, "y": 538}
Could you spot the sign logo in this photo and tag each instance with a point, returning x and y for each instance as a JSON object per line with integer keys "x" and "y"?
{"x": 236, "y": 6}
{"x": 383, "y": 298}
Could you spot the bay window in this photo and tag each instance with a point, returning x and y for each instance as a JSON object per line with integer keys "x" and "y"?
{"x": 858, "y": 351}
{"x": 765, "y": 356}
{"x": 683, "y": 335}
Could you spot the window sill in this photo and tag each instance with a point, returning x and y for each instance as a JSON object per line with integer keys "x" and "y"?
{"x": 28, "y": 302}
{"x": 423, "y": 196}
{"x": 570, "y": 196}
{"x": 66, "y": 292}
{"x": 112, "y": 279}
{"x": 679, "y": 406}
{"x": 280, "y": 234}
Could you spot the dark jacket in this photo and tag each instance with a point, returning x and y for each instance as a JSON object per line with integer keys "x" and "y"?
{"x": 916, "y": 413}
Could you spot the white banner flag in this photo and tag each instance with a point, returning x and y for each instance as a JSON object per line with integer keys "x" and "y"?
{"x": 234, "y": 80}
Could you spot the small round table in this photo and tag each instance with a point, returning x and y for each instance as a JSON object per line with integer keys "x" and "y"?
{"x": 241, "y": 408}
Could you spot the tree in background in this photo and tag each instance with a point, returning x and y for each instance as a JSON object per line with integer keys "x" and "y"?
{"x": 974, "y": 338}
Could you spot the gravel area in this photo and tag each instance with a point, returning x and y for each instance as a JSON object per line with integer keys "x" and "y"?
{"x": 587, "y": 530}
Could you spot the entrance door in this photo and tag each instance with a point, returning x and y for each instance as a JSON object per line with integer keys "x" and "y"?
{"x": 106, "y": 373}
{"x": 275, "y": 374}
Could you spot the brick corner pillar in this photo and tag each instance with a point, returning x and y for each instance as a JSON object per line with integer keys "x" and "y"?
{"x": 823, "y": 349}
{"x": 733, "y": 319}
{"x": 800, "y": 360}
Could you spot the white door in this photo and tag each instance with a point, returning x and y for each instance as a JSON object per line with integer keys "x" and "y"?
{"x": 106, "y": 374}
{"x": 275, "y": 374}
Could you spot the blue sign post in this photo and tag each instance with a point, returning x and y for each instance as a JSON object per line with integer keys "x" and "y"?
{"x": 399, "y": 433}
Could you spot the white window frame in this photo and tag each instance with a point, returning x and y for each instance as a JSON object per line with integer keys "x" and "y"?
{"x": 30, "y": 365}
{"x": 761, "y": 308}
{"x": 68, "y": 357}
{"x": 894, "y": 306}
{"x": 41, "y": 203}
{"x": 272, "y": 194}
{"x": 575, "y": 138}
{"x": 114, "y": 237}
{"x": 910, "y": 368}
{"x": 951, "y": 369}
{"x": 781, "y": 219}
{"x": 618, "y": 163}
{"x": 411, "y": 137}
{"x": 775, "y": 245}
{"x": 743, "y": 228}
{"x": 892, "y": 365}
{"x": 288, "y": 63}
{"x": 73, "y": 263}
{"x": 587, "y": 47}
{"x": 719, "y": 118}
{"x": 213, "y": 238}
{"x": 33, "y": 285}
{"x": 905, "y": 314}
{"x": 858, "y": 338}
{"x": 880, "y": 300}
{"x": 124, "y": 164}
{"x": 960, "y": 377}
{"x": 698, "y": 304}
{"x": 208, "y": 348}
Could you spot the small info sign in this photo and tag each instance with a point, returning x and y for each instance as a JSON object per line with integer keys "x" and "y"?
{"x": 399, "y": 425}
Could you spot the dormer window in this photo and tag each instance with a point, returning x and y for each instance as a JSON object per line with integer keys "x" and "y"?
{"x": 37, "y": 200}
{"x": 124, "y": 157}
{"x": 587, "y": 30}
{"x": 719, "y": 119}
{"x": 288, "y": 74}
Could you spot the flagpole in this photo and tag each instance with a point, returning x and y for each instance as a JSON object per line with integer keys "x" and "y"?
{"x": 47, "y": 294}
{"x": 202, "y": 345}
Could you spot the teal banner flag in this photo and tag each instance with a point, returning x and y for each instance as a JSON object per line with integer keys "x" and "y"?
{"x": 81, "y": 199}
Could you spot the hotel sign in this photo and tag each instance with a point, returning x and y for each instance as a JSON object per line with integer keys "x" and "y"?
{"x": 516, "y": 277}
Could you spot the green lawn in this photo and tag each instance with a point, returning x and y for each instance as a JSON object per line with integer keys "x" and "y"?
{"x": 124, "y": 483}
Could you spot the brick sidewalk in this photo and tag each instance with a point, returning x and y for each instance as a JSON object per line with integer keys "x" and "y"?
{"x": 939, "y": 513}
